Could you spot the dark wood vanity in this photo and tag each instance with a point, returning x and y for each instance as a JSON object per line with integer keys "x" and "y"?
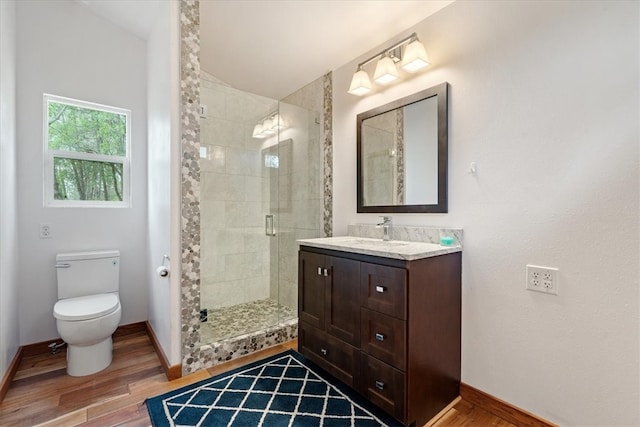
{"x": 388, "y": 328}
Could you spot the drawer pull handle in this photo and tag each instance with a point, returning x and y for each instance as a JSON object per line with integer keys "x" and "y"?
{"x": 323, "y": 351}
{"x": 380, "y": 337}
{"x": 380, "y": 289}
{"x": 319, "y": 271}
{"x": 379, "y": 385}
{"x": 326, "y": 272}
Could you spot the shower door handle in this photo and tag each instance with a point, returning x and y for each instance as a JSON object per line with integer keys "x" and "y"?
{"x": 269, "y": 229}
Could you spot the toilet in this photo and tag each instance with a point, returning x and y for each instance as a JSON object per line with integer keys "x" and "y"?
{"x": 88, "y": 310}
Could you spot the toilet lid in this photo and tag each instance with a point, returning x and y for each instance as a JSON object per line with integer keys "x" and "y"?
{"x": 85, "y": 308}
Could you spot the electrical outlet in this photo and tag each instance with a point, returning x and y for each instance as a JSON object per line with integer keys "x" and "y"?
{"x": 45, "y": 231}
{"x": 542, "y": 279}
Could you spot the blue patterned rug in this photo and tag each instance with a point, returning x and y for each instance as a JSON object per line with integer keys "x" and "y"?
{"x": 282, "y": 390}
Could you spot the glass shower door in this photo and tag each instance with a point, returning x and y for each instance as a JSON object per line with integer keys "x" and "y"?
{"x": 236, "y": 250}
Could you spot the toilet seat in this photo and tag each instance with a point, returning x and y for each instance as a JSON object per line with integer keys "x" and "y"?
{"x": 86, "y": 307}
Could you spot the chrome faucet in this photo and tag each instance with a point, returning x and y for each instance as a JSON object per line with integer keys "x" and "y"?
{"x": 386, "y": 228}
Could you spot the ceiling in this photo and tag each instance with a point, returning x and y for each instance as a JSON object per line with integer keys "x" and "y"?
{"x": 136, "y": 16}
{"x": 274, "y": 47}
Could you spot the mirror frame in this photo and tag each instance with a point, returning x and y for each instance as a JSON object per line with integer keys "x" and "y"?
{"x": 441, "y": 91}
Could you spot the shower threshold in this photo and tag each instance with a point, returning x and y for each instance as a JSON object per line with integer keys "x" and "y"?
{"x": 228, "y": 322}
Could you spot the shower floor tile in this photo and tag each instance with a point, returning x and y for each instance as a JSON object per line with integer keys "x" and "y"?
{"x": 242, "y": 319}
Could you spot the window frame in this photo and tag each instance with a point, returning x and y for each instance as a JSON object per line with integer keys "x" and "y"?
{"x": 50, "y": 155}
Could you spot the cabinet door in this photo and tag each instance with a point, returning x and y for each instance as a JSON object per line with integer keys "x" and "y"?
{"x": 311, "y": 289}
{"x": 342, "y": 300}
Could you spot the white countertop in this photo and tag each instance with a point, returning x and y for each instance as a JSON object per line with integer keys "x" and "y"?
{"x": 392, "y": 249}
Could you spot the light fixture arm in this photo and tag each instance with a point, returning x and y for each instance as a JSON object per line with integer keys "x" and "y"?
{"x": 386, "y": 51}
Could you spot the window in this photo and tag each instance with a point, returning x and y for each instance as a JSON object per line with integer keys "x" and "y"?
{"x": 86, "y": 161}
{"x": 271, "y": 161}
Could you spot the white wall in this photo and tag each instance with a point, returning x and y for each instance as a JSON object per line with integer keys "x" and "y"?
{"x": 64, "y": 49}
{"x": 421, "y": 152}
{"x": 544, "y": 97}
{"x": 163, "y": 105}
{"x": 8, "y": 204}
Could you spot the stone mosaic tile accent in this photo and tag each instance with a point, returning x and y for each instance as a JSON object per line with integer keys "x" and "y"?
{"x": 242, "y": 319}
{"x": 190, "y": 140}
{"x": 407, "y": 233}
{"x": 211, "y": 355}
{"x": 400, "y": 156}
{"x": 328, "y": 154}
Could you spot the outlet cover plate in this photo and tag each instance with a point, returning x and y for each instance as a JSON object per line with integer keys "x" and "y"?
{"x": 542, "y": 279}
{"x": 45, "y": 231}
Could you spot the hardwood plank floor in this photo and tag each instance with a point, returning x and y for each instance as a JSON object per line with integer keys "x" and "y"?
{"x": 465, "y": 414}
{"x": 43, "y": 394}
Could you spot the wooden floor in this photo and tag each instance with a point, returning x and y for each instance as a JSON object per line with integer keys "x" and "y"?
{"x": 43, "y": 394}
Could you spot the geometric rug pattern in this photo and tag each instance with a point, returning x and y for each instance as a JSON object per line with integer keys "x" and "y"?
{"x": 282, "y": 390}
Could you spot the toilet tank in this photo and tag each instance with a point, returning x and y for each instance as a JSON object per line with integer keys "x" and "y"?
{"x": 87, "y": 273}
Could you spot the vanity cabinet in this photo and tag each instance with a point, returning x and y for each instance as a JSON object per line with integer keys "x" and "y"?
{"x": 388, "y": 328}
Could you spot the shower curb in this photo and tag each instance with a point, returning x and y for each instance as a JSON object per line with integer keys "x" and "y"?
{"x": 223, "y": 351}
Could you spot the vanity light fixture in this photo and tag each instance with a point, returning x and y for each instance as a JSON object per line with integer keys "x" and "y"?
{"x": 268, "y": 126}
{"x": 411, "y": 54}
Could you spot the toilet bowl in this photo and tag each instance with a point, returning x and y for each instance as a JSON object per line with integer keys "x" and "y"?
{"x": 88, "y": 310}
{"x": 86, "y": 325}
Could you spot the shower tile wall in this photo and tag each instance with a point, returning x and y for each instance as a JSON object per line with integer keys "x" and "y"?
{"x": 300, "y": 187}
{"x": 234, "y": 199}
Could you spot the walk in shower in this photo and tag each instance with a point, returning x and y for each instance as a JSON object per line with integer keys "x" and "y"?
{"x": 261, "y": 174}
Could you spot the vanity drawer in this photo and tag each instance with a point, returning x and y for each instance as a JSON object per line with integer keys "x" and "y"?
{"x": 383, "y": 337}
{"x": 383, "y": 385}
{"x": 384, "y": 289}
{"x": 334, "y": 356}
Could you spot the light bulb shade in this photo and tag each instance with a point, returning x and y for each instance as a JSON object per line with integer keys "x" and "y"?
{"x": 276, "y": 122}
{"x": 386, "y": 71}
{"x": 415, "y": 57}
{"x": 257, "y": 131}
{"x": 360, "y": 83}
{"x": 267, "y": 127}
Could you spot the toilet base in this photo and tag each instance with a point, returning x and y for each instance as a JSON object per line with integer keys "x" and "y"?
{"x": 88, "y": 359}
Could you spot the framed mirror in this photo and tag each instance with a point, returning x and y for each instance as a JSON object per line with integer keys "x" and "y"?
{"x": 402, "y": 154}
